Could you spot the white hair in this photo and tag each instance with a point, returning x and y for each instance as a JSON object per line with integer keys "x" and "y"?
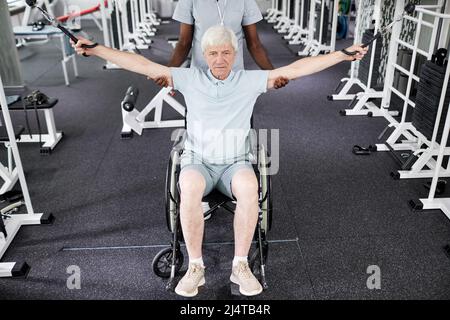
{"x": 217, "y": 36}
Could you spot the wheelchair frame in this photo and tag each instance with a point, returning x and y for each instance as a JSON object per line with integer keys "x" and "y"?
{"x": 168, "y": 262}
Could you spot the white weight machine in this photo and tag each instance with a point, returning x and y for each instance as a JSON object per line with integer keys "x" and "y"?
{"x": 134, "y": 120}
{"x": 313, "y": 46}
{"x": 297, "y": 32}
{"x": 431, "y": 202}
{"x": 405, "y": 137}
{"x": 346, "y": 83}
{"x": 10, "y": 222}
{"x": 284, "y": 21}
{"x": 275, "y": 12}
{"x": 361, "y": 103}
{"x": 128, "y": 25}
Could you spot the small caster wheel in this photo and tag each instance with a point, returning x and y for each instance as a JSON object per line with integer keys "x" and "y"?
{"x": 126, "y": 135}
{"x": 162, "y": 262}
{"x": 342, "y": 113}
{"x": 45, "y": 151}
{"x": 395, "y": 175}
{"x": 372, "y": 148}
{"x": 330, "y": 98}
{"x": 370, "y": 114}
{"x": 62, "y": 134}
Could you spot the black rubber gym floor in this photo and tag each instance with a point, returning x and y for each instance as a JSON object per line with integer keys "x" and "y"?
{"x": 335, "y": 214}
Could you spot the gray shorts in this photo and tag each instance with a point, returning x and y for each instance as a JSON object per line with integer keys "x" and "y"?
{"x": 217, "y": 176}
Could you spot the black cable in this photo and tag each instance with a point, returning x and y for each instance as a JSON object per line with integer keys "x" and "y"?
{"x": 26, "y": 118}
{"x": 38, "y": 122}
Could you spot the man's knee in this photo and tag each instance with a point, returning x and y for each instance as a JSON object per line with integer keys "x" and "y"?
{"x": 245, "y": 186}
{"x": 192, "y": 186}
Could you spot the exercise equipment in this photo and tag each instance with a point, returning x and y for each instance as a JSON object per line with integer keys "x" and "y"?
{"x": 423, "y": 149}
{"x": 87, "y": 11}
{"x": 54, "y": 23}
{"x": 135, "y": 121}
{"x": 298, "y": 30}
{"x": 364, "y": 74}
{"x": 13, "y": 222}
{"x": 409, "y": 9}
{"x": 47, "y": 141}
{"x": 437, "y": 186}
{"x": 129, "y": 25}
{"x": 367, "y": 11}
{"x": 322, "y": 22}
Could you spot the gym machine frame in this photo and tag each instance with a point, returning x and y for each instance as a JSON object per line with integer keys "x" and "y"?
{"x": 284, "y": 22}
{"x": 297, "y": 33}
{"x": 14, "y": 221}
{"x": 346, "y": 84}
{"x": 273, "y": 13}
{"x": 135, "y": 120}
{"x": 361, "y": 104}
{"x": 414, "y": 139}
{"x": 432, "y": 203}
{"x": 314, "y": 47}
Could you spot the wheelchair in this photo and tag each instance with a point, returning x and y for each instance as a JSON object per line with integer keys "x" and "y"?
{"x": 168, "y": 262}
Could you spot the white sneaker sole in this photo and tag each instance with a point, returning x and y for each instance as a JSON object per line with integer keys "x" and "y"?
{"x": 242, "y": 291}
{"x": 192, "y": 293}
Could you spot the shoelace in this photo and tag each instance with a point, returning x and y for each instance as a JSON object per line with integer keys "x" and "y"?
{"x": 244, "y": 269}
{"x": 193, "y": 269}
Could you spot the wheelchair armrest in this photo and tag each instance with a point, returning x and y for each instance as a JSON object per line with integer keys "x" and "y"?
{"x": 179, "y": 137}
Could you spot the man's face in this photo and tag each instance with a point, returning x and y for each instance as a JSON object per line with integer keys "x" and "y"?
{"x": 220, "y": 60}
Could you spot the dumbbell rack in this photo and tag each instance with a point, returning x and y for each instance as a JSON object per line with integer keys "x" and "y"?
{"x": 16, "y": 221}
{"x": 405, "y": 137}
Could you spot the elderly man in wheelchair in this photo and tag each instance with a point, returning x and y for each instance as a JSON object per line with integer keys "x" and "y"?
{"x": 215, "y": 154}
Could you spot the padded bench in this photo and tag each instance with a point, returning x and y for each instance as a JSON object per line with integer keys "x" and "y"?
{"x": 49, "y": 139}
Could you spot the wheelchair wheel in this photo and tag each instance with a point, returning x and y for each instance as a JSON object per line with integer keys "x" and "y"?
{"x": 162, "y": 262}
{"x": 266, "y": 189}
{"x": 171, "y": 195}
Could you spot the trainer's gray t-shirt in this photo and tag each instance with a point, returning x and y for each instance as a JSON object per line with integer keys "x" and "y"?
{"x": 204, "y": 14}
{"x": 219, "y": 111}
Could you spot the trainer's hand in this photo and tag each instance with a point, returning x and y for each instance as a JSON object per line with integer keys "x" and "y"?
{"x": 78, "y": 46}
{"x": 280, "y": 82}
{"x": 358, "y": 49}
{"x": 162, "y": 81}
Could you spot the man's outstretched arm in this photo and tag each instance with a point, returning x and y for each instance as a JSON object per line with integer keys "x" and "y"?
{"x": 126, "y": 60}
{"x": 310, "y": 65}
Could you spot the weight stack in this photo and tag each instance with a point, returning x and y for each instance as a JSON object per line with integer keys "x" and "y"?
{"x": 427, "y": 100}
{"x": 364, "y": 64}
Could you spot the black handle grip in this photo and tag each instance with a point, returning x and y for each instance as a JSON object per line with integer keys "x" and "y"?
{"x": 75, "y": 40}
{"x": 364, "y": 45}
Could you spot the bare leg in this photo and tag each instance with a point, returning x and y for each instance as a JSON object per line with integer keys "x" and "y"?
{"x": 192, "y": 185}
{"x": 245, "y": 188}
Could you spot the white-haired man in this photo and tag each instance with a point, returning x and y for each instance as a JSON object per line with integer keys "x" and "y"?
{"x": 220, "y": 104}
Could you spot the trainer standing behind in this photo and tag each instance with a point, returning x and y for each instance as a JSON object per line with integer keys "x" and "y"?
{"x": 197, "y": 16}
